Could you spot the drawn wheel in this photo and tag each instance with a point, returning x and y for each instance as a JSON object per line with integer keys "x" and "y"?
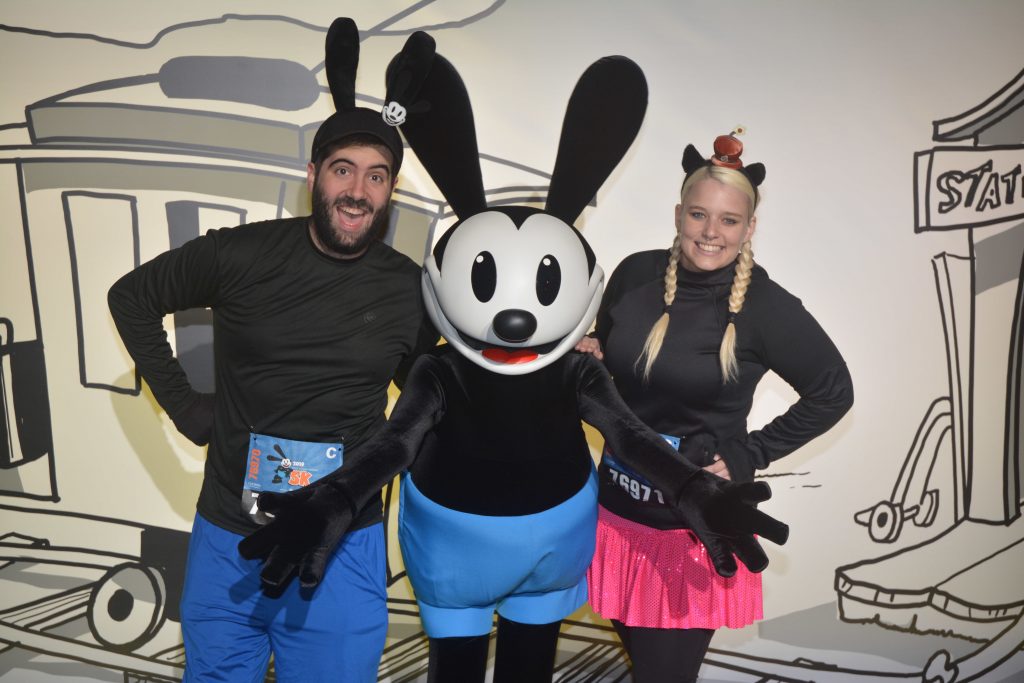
{"x": 941, "y": 668}
{"x": 127, "y": 606}
{"x": 886, "y": 522}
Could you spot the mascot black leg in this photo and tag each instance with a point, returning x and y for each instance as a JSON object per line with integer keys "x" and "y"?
{"x": 461, "y": 659}
{"x": 525, "y": 653}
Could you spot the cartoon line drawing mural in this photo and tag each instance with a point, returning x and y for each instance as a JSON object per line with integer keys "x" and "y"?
{"x": 966, "y": 457}
{"x": 126, "y": 601}
{"x": 113, "y": 169}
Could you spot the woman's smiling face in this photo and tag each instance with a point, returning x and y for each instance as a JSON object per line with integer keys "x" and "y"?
{"x": 713, "y": 221}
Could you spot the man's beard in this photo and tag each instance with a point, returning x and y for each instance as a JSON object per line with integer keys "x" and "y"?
{"x": 342, "y": 243}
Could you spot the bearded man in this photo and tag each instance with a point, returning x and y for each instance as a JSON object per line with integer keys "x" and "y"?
{"x": 313, "y": 316}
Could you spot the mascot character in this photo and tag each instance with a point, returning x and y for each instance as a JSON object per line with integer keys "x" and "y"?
{"x": 499, "y": 492}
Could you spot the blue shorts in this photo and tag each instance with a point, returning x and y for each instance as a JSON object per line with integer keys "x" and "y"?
{"x": 530, "y": 568}
{"x": 335, "y": 633}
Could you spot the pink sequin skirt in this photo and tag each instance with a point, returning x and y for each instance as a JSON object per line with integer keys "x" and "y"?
{"x": 664, "y": 579}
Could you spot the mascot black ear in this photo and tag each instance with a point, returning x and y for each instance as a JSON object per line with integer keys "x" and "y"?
{"x": 601, "y": 121}
{"x": 438, "y": 122}
{"x": 341, "y": 51}
{"x": 405, "y": 76}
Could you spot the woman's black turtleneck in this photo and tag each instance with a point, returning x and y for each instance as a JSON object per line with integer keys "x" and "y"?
{"x": 686, "y": 397}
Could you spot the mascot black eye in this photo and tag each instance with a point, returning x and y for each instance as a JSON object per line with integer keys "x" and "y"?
{"x": 549, "y": 280}
{"x": 485, "y": 276}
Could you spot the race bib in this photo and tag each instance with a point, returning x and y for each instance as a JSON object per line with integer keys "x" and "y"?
{"x": 636, "y": 485}
{"x": 283, "y": 465}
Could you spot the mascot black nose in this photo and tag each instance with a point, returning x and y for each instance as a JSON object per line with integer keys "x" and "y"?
{"x": 514, "y": 325}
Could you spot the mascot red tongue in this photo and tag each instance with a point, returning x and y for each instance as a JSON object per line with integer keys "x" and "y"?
{"x": 510, "y": 357}
{"x": 499, "y": 492}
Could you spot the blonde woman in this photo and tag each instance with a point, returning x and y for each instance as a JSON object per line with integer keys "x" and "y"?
{"x": 688, "y": 333}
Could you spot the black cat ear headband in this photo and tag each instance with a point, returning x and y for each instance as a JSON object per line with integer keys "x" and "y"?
{"x": 728, "y": 150}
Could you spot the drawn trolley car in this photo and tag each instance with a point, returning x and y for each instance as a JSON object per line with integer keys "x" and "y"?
{"x": 108, "y": 609}
{"x": 119, "y": 171}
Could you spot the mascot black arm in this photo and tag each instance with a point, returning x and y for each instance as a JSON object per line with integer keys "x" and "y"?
{"x": 309, "y": 523}
{"x": 723, "y": 514}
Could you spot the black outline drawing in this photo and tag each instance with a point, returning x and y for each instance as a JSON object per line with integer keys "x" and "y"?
{"x": 946, "y": 434}
{"x": 115, "y": 613}
{"x": 24, "y": 397}
{"x": 76, "y": 286}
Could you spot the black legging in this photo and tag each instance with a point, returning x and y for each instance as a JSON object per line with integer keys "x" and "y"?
{"x": 664, "y": 655}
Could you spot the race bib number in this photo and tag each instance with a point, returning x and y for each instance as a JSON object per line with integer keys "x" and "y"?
{"x": 283, "y": 465}
{"x": 634, "y": 484}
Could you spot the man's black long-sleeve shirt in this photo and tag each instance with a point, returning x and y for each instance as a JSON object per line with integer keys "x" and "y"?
{"x": 305, "y": 345}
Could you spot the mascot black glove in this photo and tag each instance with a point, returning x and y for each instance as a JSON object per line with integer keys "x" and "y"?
{"x": 725, "y": 517}
{"x": 723, "y": 514}
{"x": 308, "y": 525}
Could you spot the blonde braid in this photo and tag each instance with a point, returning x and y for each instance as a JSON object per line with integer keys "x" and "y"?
{"x": 740, "y": 282}
{"x": 655, "y": 338}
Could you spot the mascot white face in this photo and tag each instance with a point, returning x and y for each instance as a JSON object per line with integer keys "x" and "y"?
{"x": 512, "y": 290}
